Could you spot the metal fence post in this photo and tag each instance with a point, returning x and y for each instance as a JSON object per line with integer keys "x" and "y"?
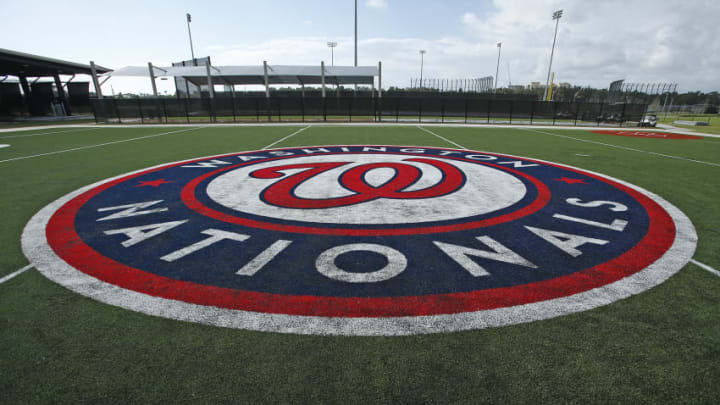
{"x": 532, "y": 111}
{"x": 622, "y": 115}
{"x": 350, "y": 106}
{"x": 187, "y": 113}
{"x": 94, "y": 111}
{"x": 302, "y": 108}
{"x": 164, "y": 110}
{"x": 117, "y": 111}
{"x": 157, "y": 103}
{"x": 489, "y": 103}
{"x": 324, "y": 110}
{"x": 142, "y": 120}
{"x": 599, "y": 118}
{"x": 466, "y": 109}
{"x": 579, "y": 106}
{"x": 380, "y": 107}
{"x": 442, "y": 110}
{"x": 234, "y": 107}
{"x": 512, "y": 104}
{"x": 554, "y": 104}
{"x": 419, "y": 109}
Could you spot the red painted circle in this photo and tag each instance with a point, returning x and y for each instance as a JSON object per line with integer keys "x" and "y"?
{"x": 646, "y": 134}
{"x": 64, "y": 240}
{"x": 188, "y": 197}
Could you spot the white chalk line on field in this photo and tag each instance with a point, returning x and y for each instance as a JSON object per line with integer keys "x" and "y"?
{"x": 442, "y": 137}
{"x": 99, "y": 145}
{"x": 705, "y": 267}
{"x": 49, "y": 133}
{"x": 624, "y": 147}
{"x": 16, "y": 273}
{"x": 287, "y": 137}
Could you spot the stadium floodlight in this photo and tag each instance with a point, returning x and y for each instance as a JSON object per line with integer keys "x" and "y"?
{"x": 332, "y": 45}
{"x": 192, "y": 52}
{"x": 422, "y": 54}
{"x": 556, "y": 16}
{"x": 497, "y": 69}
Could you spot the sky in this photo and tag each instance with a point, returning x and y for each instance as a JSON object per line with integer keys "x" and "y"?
{"x": 598, "y": 41}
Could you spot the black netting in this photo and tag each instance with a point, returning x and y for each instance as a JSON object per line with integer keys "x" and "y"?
{"x": 522, "y": 111}
{"x": 478, "y": 110}
{"x": 350, "y": 107}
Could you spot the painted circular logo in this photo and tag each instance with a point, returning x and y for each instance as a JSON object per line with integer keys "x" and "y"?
{"x": 360, "y": 240}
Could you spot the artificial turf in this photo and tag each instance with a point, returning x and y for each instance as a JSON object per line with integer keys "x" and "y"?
{"x": 661, "y": 346}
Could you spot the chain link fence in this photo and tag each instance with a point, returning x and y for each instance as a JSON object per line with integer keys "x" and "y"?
{"x": 450, "y": 109}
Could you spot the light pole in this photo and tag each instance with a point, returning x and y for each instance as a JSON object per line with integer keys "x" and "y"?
{"x": 192, "y": 52}
{"x": 556, "y": 16}
{"x": 356, "y": 34}
{"x": 332, "y": 45}
{"x": 497, "y": 69}
{"x": 422, "y": 54}
{"x": 356, "y": 86}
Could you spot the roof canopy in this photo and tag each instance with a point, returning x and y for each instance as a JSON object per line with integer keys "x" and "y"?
{"x": 277, "y": 74}
{"x": 24, "y": 64}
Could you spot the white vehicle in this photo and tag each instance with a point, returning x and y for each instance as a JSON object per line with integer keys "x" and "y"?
{"x": 649, "y": 120}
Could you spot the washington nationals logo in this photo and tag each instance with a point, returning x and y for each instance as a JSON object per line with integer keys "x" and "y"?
{"x": 360, "y": 240}
{"x": 281, "y": 193}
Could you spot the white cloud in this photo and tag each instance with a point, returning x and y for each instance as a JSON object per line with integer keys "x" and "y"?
{"x": 597, "y": 42}
{"x": 445, "y": 58}
{"x": 377, "y": 3}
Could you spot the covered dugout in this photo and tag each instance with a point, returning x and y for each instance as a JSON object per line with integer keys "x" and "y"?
{"x": 265, "y": 75}
{"x": 37, "y": 96}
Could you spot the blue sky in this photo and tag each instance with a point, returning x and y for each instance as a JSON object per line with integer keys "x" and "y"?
{"x": 598, "y": 41}
{"x": 118, "y": 32}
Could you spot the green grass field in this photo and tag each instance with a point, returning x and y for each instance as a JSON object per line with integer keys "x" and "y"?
{"x": 661, "y": 346}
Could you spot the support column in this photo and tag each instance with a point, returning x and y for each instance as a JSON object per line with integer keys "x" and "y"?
{"x": 61, "y": 93}
{"x": 322, "y": 77}
{"x": 379, "y": 79}
{"x": 267, "y": 91}
{"x": 152, "y": 79}
{"x": 26, "y": 92}
{"x": 211, "y": 92}
{"x": 25, "y": 86}
{"x": 98, "y": 90}
{"x": 267, "y": 84}
{"x": 211, "y": 89}
{"x": 98, "y": 93}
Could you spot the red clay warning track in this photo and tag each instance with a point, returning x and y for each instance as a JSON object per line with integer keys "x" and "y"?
{"x": 647, "y": 134}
